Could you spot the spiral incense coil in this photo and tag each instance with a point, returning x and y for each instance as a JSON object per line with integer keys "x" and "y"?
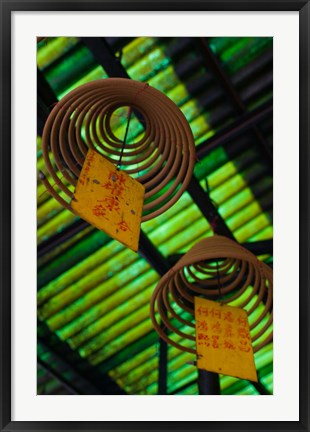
{"x": 215, "y": 267}
{"x": 162, "y": 160}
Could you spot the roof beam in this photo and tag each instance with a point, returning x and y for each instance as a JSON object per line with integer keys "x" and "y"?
{"x": 87, "y": 376}
{"x": 235, "y": 129}
{"x": 260, "y": 247}
{"x": 208, "y": 209}
{"x": 212, "y": 63}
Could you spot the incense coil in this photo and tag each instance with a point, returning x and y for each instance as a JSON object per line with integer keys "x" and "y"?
{"x": 162, "y": 160}
{"x": 209, "y": 262}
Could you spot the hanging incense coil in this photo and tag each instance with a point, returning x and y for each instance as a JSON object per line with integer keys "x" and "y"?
{"x": 217, "y": 269}
{"x": 162, "y": 159}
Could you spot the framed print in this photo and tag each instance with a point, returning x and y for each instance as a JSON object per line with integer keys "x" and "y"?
{"x": 154, "y": 160}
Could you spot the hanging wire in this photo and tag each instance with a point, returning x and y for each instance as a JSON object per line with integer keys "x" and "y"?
{"x": 219, "y": 283}
{"x": 125, "y": 137}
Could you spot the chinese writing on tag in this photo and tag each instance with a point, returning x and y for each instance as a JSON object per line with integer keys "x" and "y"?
{"x": 223, "y": 340}
{"x": 109, "y": 199}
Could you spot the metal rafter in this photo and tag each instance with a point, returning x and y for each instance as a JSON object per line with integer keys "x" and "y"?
{"x": 87, "y": 376}
{"x": 212, "y": 63}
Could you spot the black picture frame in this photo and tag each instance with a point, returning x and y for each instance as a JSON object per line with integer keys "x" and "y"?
{"x": 7, "y": 7}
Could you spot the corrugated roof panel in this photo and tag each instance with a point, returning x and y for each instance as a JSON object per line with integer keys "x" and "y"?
{"x": 93, "y": 293}
{"x": 51, "y": 49}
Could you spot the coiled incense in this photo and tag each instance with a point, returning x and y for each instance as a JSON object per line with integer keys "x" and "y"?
{"x": 214, "y": 267}
{"x": 162, "y": 160}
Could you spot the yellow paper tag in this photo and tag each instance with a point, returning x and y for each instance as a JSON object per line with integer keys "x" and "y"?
{"x": 109, "y": 199}
{"x": 223, "y": 340}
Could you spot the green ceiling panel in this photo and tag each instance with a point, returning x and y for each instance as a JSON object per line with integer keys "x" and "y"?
{"x": 93, "y": 293}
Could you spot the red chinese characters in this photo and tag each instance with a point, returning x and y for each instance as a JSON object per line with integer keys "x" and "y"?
{"x": 99, "y": 210}
{"x": 115, "y": 184}
{"x": 222, "y": 327}
{"x": 228, "y": 331}
{"x": 228, "y": 316}
{"x": 215, "y": 341}
{"x": 123, "y": 226}
{"x": 111, "y": 203}
{"x": 109, "y": 199}
{"x": 202, "y": 325}
{"x": 243, "y": 333}
{"x": 203, "y": 339}
{"x": 202, "y": 311}
{"x": 216, "y": 327}
{"x": 223, "y": 340}
{"x": 228, "y": 344}
{"x": 244, "y": 346}
{"x": 242, "y": 321}
{"x": 115, "y": 187}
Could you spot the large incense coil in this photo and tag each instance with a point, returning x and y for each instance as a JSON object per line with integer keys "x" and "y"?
{"x": 217, "y": 269}
{"x": 162, "y": 160}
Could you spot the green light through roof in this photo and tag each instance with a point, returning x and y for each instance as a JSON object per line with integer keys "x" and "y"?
{"x": 136, "y": 49}
{"x": 112, "y": 291}
{"x": 94, "y": 261}
{"x": 94, "y": 74}
{"x": 52, "y": 48}
{"x": 244, "y": 52}
{"x": 94, "y": 320}
{"x": 70, "y": 253}
{"x": 113, "y": 324}
{"x": 80, "y": 62}
{"x": 140, "y": 329}
{"x": 56, "y": 224}
{"x": 95, "y": 294}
